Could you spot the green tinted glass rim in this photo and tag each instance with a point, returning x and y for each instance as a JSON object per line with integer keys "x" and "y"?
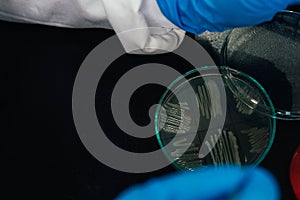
{"x": 278, "y": 113}
{"x": 223, "y": 71}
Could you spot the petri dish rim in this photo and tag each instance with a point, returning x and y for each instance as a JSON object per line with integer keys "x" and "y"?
{"x": 279, "y": 113}
{"x": 224, "y": 71}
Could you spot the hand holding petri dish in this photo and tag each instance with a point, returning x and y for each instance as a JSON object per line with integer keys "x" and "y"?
{"x": 227, "y": 115}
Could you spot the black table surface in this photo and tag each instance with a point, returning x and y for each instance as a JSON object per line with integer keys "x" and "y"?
{"x": 42, "y": 155}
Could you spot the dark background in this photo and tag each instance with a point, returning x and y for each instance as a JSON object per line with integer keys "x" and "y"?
{"x": 42, "y": 156}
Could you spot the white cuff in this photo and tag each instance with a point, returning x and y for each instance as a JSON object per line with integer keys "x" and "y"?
{"x": 141, "y": 27}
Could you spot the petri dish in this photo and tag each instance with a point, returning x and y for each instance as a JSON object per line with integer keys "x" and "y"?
{"x": 269, "y": 52}
{"x": 210, "y": 116}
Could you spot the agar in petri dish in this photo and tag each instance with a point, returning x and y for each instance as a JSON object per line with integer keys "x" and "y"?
{"x": 211, "y": 116}
{"x": 269, "y": 52}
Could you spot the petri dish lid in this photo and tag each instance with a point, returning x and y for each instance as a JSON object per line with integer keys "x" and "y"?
{"x": 270, "y": 53}
{"x": 211, "y": 116}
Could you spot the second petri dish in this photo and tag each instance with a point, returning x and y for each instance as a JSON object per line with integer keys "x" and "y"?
{"x": 211, "y": 116}
{"x": 270, "y": 53}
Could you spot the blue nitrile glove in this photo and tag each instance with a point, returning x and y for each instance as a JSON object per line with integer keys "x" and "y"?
{"x": 210, "y": 183}
{"x": 197, "y": 16}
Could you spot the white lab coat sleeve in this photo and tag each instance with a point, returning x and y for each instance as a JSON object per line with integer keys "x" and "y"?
{"x": 61, "y": 13}
{"x": 139, "y": 24}
{"x": 141, "y": 27}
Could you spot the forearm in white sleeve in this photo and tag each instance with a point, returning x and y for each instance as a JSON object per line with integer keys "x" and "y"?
{"x": 62, "y": 13}
{"x": 140, "y": 25}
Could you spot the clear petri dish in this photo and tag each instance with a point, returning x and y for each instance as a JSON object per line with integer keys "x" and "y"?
{"x": 211, "y": 116}
{"x": 270, "y": 53}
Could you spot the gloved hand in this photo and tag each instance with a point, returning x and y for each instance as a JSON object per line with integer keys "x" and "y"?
{"x": 197, "y": 16}
{"x": 220, "y": 183}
